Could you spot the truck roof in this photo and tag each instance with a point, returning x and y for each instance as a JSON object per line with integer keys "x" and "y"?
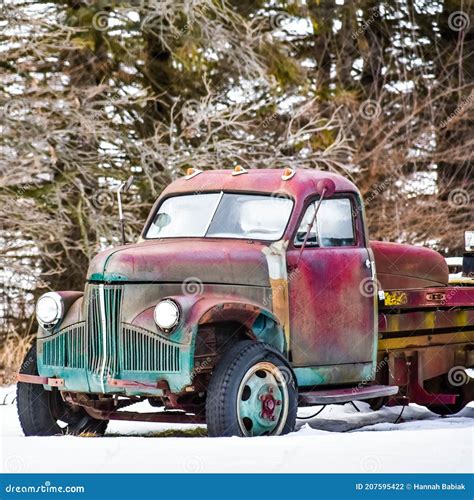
{"x": 300, "y": 185}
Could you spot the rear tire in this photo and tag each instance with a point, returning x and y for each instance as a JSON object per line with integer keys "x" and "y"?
{"x": 465, "y": 394}
{"x": 252, "y": 392}
{"x": 41, "y": 411}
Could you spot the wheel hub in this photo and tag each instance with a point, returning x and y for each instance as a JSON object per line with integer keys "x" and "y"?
{"x": 269, "y": 403}
{"x": 262, "y": 403}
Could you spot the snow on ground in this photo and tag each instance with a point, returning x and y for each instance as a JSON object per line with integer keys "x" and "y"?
{"x": 339, "y": 439}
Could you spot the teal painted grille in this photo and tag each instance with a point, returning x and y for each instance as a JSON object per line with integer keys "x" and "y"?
{"x": 102, "y": 344}
{"x": 96, "y": 320}
{"x": 144, "y": 351}
{"x": 67, "y": 348}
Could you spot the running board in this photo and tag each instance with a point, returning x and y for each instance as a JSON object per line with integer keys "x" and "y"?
{"x": 335, "y": 396}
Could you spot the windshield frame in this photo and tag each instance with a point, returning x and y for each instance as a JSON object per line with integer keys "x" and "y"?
{"x": 216, "y": 191}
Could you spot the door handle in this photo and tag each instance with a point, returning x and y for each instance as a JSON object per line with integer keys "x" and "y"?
{"x": 368, "y": 264}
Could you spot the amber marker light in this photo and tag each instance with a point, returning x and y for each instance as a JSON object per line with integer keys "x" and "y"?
{"x": 192, "y": 172}
{"x": 239, "y": 170}
{"x": 288, "y": 173}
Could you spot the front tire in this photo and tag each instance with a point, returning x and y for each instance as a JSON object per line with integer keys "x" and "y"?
{"x": 252, "y": 392}
{"x": 377, "y": 404}
{"x": 44, "y": 413}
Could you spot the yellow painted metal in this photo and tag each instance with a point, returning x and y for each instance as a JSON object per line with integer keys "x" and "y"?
{"x": 395, "y": 298}
{"x": 404, "y": 342}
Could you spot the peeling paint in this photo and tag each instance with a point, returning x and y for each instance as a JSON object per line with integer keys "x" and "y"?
{"x": 278, "y": 274}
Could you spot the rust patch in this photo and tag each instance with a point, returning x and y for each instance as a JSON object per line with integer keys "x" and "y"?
{"x": 36, "y": 379}
{"x": 31, "y": 379}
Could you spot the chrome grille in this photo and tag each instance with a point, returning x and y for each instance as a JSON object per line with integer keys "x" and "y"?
{"x": 104, "y": 304}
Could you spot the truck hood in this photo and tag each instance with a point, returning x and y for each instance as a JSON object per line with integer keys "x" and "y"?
{"x": 210, "y": 261}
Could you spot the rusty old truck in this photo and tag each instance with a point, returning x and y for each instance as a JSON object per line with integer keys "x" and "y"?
{"x": 247, "y": 295}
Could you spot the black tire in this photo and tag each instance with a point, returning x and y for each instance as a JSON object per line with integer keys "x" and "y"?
{"x": 227, "y": 388}
{"x": 378, "y": 403}
{"x": 40, "y": 411}
{"x": 465, "y": 396}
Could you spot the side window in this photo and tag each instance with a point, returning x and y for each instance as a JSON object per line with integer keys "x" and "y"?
{"x": 333, "y": 227}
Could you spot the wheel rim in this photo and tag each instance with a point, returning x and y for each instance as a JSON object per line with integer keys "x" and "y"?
{"x": 262, "y": 401}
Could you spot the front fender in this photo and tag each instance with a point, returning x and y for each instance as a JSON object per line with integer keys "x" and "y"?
{"x": 72, "y": 311}
{"x": 196, "y": 311}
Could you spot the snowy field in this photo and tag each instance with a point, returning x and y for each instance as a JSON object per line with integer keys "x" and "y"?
{"x": 338, "y": 440}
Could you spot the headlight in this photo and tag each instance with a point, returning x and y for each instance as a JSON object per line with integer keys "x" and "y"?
{"x": 49, "y": 309}
{"x": 166, "y": 314}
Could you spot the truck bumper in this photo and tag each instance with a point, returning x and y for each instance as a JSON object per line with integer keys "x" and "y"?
{"x": 134, "y": 362}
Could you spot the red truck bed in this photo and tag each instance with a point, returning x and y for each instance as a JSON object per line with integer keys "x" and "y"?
{"x": 426, "y": 311}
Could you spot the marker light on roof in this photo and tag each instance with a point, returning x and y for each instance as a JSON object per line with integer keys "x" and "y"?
{"x": 192, "y": 172}
{"x": 288, "y": 173}
{"x": 239, "y": 170}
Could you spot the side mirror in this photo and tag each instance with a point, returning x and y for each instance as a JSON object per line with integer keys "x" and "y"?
{"x": 326, "y": 187}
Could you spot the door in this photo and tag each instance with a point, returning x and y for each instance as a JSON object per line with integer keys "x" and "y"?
{"x": 332, "y": 289}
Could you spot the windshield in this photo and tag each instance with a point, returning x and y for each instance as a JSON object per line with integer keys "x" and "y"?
{"x": 222, "y": 215}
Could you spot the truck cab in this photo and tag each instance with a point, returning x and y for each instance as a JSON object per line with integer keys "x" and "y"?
{"x": 247, "y": 294}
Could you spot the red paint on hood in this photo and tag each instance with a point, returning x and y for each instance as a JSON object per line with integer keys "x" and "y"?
{"x": 405, "y": 266}
{"x": 211, "y": 261}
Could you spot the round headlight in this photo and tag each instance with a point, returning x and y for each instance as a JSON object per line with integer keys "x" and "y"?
{"x": 166, "y": 314}
{"x": 49, "y": 309}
